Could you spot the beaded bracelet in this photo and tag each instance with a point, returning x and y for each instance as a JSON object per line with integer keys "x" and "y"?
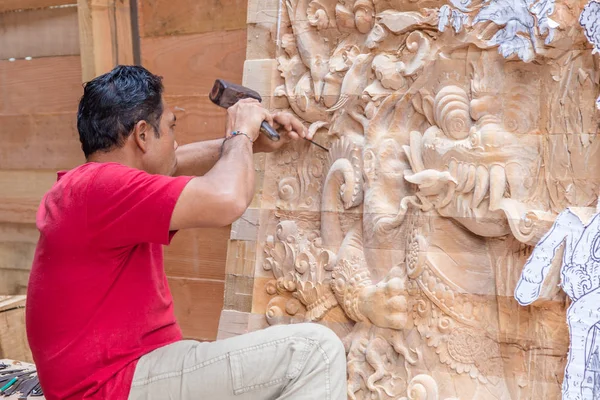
{"x": 234, "y": 134}
{"x": 237, "y": 133}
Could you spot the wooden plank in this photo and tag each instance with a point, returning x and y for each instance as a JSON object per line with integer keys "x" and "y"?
{"x": 10, "y": 5}
{"x": 43, "y": 85}
{"x": 177, "y": 17}
{"x": 190, "y": 64}
{"x": 105, "y": 36}
{"x": 16, "y": 255}
{"x": 198, "y": 305}
{"x": 39, "y": 33}
{"x": 261, "y": 42}
{"x": 197, "y": 118}
{"x": 197, "y": 253}
{"x": 17, "y": 248}
{"x": 21, "y": 194}
{"x": 13, "y": 336}
{"x": 40, "y": 141}
{"x": 9, "y": 302}
{"x": 13, "y": 281}
{"x": 239, "y": 283}
{"x": 262, "y": 76}
{"x": 18, "y": 233}
{"x": 263, "y": 12}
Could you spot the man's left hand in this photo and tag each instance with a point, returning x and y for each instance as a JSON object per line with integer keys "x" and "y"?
{"x": 289, "y": 128}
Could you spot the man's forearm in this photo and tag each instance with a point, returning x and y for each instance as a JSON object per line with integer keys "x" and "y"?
{"x": 233, "y": 173}
{"x": 196, "y": 159}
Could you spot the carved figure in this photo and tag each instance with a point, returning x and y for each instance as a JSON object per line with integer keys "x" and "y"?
{"x": 457, "y": 133}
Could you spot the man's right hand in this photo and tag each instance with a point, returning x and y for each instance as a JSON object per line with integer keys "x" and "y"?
{"x": 246, "y": 116}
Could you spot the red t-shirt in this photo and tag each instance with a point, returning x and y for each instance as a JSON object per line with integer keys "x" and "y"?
{"x": 98, "y": 297}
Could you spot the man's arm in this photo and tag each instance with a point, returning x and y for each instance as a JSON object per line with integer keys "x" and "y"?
{"x": 222, "y": 195}
{"x": 196, "y": 159}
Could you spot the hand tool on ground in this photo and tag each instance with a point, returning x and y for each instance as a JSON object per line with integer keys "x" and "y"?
{"x": 16, "y": 385}
{"x": 28, "y": 387}
{"x": 226, "y": 94}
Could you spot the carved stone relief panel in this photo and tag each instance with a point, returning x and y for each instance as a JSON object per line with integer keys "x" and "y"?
{"x": 457, "y": 132}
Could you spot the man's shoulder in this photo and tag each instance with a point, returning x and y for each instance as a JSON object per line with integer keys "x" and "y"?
{"x": 88, "y": 173}
{"x": 92, "y": 168}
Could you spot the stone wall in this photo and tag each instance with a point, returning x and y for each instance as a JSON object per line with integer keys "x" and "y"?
{"x": 457, "y": 132}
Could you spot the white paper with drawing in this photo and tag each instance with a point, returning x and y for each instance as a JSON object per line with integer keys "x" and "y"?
{"x": 579, "y": 230}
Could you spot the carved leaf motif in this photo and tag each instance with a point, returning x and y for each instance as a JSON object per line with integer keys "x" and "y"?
{"x": 302, "y": 268}
{"x": 401, "y": 22}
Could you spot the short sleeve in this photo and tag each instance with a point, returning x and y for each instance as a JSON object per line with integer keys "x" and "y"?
{"x": 127, "y": 206}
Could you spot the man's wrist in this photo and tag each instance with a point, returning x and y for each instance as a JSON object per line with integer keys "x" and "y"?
{"x": 239, "y": 133}
{"x": 244, "y": 140}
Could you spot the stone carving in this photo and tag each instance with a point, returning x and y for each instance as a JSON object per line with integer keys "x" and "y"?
{"x": 457, "y": 134}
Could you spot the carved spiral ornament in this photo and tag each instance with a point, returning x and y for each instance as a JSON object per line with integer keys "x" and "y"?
{"x": 422, "y": 387}
{"x": 452, "y": 115}
{"x": 317, "y": 15}
{"x": 288, "y": 189}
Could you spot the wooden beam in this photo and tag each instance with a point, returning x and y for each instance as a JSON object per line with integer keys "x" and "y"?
{"x": 40, "y": 141}
{"x": 198, "y": 304}
{"x": 179, "y": 17}
{"x": 11, "y": 5}
{"x": 39, "y": 33}
{"x": 42, "y": 85}
{"x": 191, "y": 63}
{"x": 105, "y": 36}
{"x": 198, "y": 118}
{"x": 21, "y": 194}
{"x": 13, "y": 336}
{"x": 197, "y": 253}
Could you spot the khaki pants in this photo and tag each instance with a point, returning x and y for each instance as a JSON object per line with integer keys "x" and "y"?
{"x": 298, "y": 361}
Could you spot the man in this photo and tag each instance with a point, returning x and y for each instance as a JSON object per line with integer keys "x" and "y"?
{"x": 100, "y": 316}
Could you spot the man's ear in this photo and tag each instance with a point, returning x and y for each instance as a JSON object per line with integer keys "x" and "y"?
{"x": 141, "y": 132}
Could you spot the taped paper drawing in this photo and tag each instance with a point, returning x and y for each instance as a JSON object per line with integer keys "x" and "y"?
{"x": 458, "y": 132}
{"x": 579, "y": 234}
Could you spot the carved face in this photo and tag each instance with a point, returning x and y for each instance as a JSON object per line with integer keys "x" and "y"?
{"x": 479, "y": 161}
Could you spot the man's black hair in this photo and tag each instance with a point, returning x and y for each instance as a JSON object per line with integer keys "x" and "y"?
{"x": 113, "y": 103}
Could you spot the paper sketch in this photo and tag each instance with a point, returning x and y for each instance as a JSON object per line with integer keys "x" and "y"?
{"x": 580, "y": 279}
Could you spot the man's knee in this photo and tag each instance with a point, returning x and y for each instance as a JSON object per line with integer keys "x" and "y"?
{"x": 328, "y": 341}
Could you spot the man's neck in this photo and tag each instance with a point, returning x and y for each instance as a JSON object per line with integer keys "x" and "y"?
{"x": 117, "y": 156}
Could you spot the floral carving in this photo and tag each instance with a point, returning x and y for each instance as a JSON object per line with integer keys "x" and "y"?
{"x": 303, "y": 268}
